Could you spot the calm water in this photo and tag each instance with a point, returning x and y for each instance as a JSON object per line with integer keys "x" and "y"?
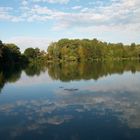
{"x": 76, "y": 101}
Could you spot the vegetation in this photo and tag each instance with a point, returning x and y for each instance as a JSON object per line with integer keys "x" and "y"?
{"x": 82, "y": 50}
{"x": 68, "y": 50}
{"x": 10, "y": 55}
{"x": 32, "y": 53}
{"x": 36, "y": 56}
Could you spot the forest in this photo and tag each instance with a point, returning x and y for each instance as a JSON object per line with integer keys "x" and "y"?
{"x": 10, "y": 55}
{"x": 85, "y": 49}
{"x": 68, "y": 50}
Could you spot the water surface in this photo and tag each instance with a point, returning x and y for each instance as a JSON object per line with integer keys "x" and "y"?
{"x": 71, "y": 101}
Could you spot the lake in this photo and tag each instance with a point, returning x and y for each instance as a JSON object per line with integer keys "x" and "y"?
{"x": 71, "y": 101}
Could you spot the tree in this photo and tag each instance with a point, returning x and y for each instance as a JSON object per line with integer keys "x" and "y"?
{"x": 1, "y": 47}
{"x": 85, "y": 49}
{"x": 31, "y": 53}
{"x": 14, "y": 52}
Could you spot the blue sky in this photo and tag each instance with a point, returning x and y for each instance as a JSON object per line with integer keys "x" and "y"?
{"x": 36, "y": 23}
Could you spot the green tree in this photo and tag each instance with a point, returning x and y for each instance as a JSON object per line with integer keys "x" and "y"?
{"x": 31, "y": 53}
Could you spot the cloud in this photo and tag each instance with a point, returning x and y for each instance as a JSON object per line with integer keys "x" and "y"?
{"x": 26, "y": 81}
{"x": 26, "y": 42}
{"x": 118, "y": 17}
{"x": 76, "y": 7}
{"x": 124, "y": 106}
{"x": 5, "y": 15}
{"x": 57, "y": 120}
{"x": 122, "y": 12}
{"x": 53, "y": 1}
{"x": 24, "y": 2}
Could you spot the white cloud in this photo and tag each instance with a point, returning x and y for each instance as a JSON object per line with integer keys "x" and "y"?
{"x": 76, "y": 7}
{"x": 117, "y": 16}
{"x": 41, "y": 10}
{"x": 26, "y": 42}
{"x": 5, "y": 14}
{"x": 122, "y": 12}
{"x": 24, "y": 2}
{"x": 53, "y": 1}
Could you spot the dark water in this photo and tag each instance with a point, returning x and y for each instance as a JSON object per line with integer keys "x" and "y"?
{"x": 75, "y": 101}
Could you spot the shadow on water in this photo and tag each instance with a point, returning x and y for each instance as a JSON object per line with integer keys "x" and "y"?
{"x": 12, "y": 73}
{"x": 9, "y": 75}
{"x": 35, "y": 69}
{"x": 69, "y": 71}
{"x": 90, "y": 70}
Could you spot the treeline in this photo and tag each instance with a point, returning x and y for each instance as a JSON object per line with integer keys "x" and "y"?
{"x": 68, "y": 50}
{"x": 79, "y": 50}
{"x": 10, "y": 54}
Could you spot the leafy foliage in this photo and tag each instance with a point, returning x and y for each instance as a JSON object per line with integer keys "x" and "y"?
{"x": 10, "y": 54}
{"x": 82, "y": 50}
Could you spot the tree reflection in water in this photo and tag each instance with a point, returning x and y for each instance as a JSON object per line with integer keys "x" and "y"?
{"x": 69, "y": 70}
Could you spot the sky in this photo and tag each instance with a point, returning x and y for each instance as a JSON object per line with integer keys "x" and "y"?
{"x": 37, "y": 23}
